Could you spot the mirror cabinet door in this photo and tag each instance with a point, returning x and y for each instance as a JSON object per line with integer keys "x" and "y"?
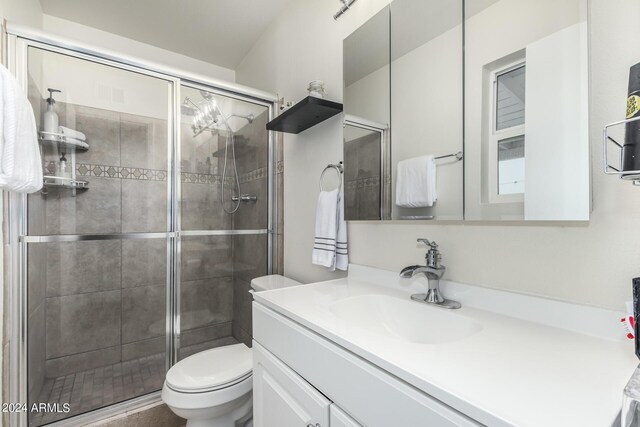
{"x": 526, "y": 110}
{"x": 367, "y": 116}
{"x": 427, "y": 109}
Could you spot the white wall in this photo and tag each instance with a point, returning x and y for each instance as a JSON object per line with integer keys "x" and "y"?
{"x": 26, "y": 12}
{"x": 133, "y": 48}
{"x": 426, "y": 111}
{"x": 303, "y": 42}
{"x": 591, "y": 263}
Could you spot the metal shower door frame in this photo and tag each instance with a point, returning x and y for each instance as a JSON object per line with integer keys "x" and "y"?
{"x": 19, "y": 40}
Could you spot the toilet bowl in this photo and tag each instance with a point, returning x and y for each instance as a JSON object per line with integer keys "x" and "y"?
{"x": 213, "y": 388}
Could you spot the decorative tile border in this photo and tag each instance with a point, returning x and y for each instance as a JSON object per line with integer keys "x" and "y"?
{"x": 120, "y": 172}
{"x": 362, "y": 183}
{"x": 253, "y": 175}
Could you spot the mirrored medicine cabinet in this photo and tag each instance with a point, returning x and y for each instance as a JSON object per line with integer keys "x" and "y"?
{"x": 468, "y": 110}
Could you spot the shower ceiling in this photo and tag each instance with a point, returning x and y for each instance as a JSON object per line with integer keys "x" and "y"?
{"x": 220, "y": 32}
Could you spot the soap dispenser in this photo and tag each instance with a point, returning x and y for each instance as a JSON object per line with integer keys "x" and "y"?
{"x": 51, "y": 123}
{"x": 63, "y": 173}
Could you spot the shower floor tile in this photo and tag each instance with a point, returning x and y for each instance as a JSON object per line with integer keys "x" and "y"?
{"x": 100, "y": 387}
{"x": 88, "y": 390}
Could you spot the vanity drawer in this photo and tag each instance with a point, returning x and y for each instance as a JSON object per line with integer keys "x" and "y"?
{"x": 372, "y": 396}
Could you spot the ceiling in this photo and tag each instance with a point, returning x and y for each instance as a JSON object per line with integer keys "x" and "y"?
{"x": 220, "y": 32}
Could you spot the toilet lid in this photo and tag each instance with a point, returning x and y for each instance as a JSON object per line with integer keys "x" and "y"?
{"x": 211, "y": 369}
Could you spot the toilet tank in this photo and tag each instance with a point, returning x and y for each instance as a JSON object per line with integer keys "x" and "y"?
{"x": 272, "y": 281}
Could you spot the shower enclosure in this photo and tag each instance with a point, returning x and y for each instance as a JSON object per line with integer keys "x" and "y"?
{"x": 140, "y": 249}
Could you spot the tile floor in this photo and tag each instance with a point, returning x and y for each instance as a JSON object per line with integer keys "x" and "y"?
{"x": 100, "y": 387}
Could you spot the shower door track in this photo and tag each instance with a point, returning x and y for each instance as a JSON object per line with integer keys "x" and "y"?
{"x": 18, "y": 41}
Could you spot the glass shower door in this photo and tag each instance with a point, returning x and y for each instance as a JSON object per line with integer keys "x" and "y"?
{"x": 97, "y": 235}
{"x": 224, "y": 193}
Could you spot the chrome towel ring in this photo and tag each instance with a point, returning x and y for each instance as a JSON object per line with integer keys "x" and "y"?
{"x": 338, "y": 168}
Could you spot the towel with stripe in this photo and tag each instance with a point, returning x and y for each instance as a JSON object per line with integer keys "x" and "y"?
{"x": 330, "y": 243}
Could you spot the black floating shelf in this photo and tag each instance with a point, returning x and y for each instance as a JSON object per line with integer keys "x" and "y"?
{"x": 305, "y": 114}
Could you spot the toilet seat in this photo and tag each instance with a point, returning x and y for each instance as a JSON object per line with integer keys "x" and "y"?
{"x": 211, "y": 370}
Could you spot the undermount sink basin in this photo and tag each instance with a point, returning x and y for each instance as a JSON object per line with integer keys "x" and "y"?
{"x": 408, "y": 320}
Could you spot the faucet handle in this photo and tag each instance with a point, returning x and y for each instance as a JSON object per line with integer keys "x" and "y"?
{"x": 433, "y": 256}
{"x": 433, "y": 245}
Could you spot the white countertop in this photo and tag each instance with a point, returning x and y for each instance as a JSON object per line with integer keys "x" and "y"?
{"x": 514, "y": 372}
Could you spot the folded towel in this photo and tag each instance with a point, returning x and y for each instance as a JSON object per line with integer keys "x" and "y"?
{"x": 416, "y": 182}
{"x": 342, "y": 257}
{"x": 330, "y": 243}
{"x": 72, "y": 133}
{"x": 20, "y": 162}
{"x": 324, "y": 246}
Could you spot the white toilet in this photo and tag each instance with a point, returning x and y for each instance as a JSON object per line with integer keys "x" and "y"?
{"x": 213, "y": 388}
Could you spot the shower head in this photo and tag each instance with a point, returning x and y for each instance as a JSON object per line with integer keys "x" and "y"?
{"x": 250, "y": 117}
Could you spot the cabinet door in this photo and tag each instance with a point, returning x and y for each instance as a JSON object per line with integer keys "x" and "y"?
{"x": 338, "y": 418}
{"x": 282, "y": 398}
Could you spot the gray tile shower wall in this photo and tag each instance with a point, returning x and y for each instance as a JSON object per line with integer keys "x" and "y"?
{"x": 250, "y": 251}
{"x": 98, "y": 303}
{"x": 362, "y": 178}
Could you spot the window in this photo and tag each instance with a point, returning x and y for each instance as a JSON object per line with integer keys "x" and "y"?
{"x": 507, "y": 134}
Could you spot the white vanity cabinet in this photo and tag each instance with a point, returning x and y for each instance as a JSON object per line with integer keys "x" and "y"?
{"x": 338, "y": 418}
{"x": 302, "y": 379}
{"x": 282, "y": 398}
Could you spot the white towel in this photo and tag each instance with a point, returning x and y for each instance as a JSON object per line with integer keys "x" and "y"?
{"x": 20, "y": 162}
{"x": 330, "y": 243}
{"x": 342, "y": 253}
{"x": 72, "y": 133}
{"x": 416, "y": 182}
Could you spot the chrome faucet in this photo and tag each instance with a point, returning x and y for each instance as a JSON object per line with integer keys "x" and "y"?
{"x": 434, "y": 272}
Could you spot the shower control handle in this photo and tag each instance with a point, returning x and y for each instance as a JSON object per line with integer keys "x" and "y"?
{"x": 245, "y": 198}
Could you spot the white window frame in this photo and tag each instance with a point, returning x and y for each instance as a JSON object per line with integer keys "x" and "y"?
{"x": 496, "y": 135}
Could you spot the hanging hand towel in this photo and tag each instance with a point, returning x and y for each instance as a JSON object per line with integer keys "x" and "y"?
{"x": 20, "y": 163}
{"x": 416, "y": 182}
{"x": 342, "y": 257}
{"x": 324, "y": 245}
{"x": 72, "y": 133}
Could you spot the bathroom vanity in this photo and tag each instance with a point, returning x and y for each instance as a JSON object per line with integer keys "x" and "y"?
{"x": 357, "y": 351}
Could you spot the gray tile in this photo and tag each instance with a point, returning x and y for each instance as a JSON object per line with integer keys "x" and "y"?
{"x": 197, "y": 152}
{"x": 369, "y": 203}
{"x": 143, "y": 348}
{"x": 102, "y": 129}
{"x": 207, "y": 333}
{"x": 242, "y": 318}
{"x": 202, "y": 209}
{"x": 36, "y": 355}
{"x": 144, "y": 262}
{"x": 280, "y": 201}
{"x": 143, "y": 313}
{"x": 81, "y": 323}
{"x": 243, "y": 336}
{"x": 81, "y": 267}
{"x": 37, "y": 214}
{"x": 143, "y": 142}
{"x": 82, "y": 361}
{"x": 252, "y": 215}
{"x": 280, "y": 261}
{"x": 144, "y": 206}
{"x": 206, "y": 302}
{"x": 193, "y": 349}
{"x": 205, "y": 257}
{"x": 96, "y": 210}
{"x": 249, "y": 256}
{"x": 36, "y": 275}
